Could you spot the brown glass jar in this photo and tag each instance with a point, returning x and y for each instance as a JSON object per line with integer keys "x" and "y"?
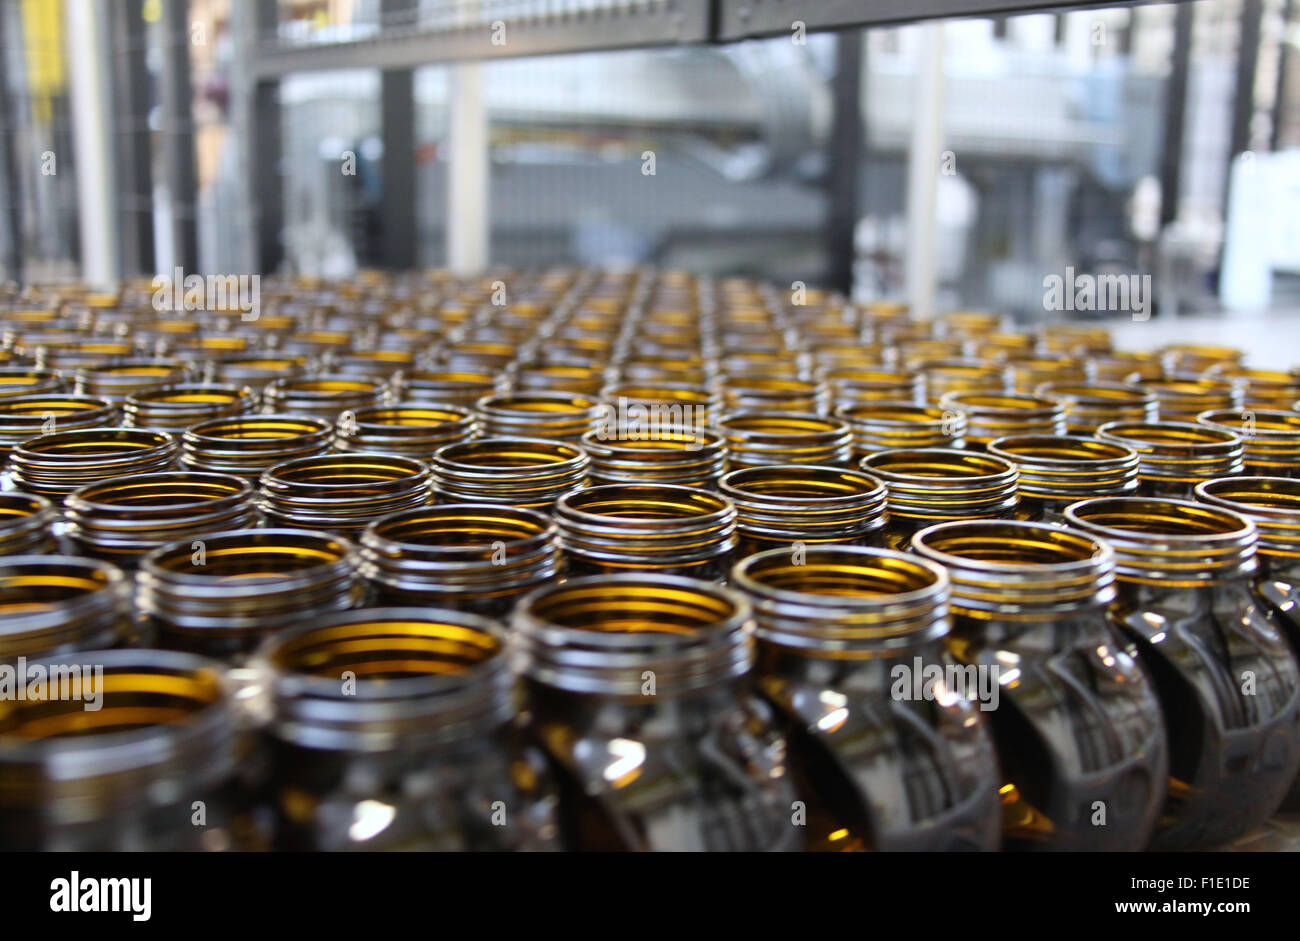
{"x": 647, "y": 528}
{"x": 1125, "y": 367}
{"x": 855, "y": 385}
{"x": 1079, "y": 730}
{"x": 847, "y": 636}
{"x": 116, "y": 381}
{"x": 477, "y": 557}
{"x": 30, "y": 416}
{"x": 1262, "y": 388}
{"x": 755, "y": 439}
{"x": 687, "y": 457}
{"x": 1088, "y": 406}
{"x": 164, "y": 763}
{"x": 933, "y": 485}
{"x": 527, "y": 472}
{"x": 246, "y": 446}
{"x": 1175, "y": 456}
{"x": 55, "y": 604}
{"x": 121, "y": 520}
{"x": 1057, "y": 470}
{"x": 175, "y": 408}
{"x": 1270, "y": 438}
{"x": 223, "y": 594}
{"x": 25, "y": 381}
{"x": 341, "y": 493}
{"x": 747, "y": 392}
{"x": 26, "y": 525}
{"x": 658, "y": 405}
{"x": 887, "y": 426}
{"x": 790, "y": 505}
{"x": 322, "y": 396}
{"x": 449, "y": 386}
{"x": 55, "y": 465}
{"x": 963, "y": 375}
{"x": 1182, "y": 397}
{"x": 394, "y": 729}
{"x": 990, "y": 416}
{"x": 1228, "y": 681}
{"x": 636, "y": 690}
{"x": 412, "y": 429}
{"x": 562, "y": 416}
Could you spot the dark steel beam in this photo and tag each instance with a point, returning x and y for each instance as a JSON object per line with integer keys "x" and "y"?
{"x": 1171, "y": 157}
{"x": 846, "y": 152}
{"x": 134, "y": 155}
{"x": 178, "y": 134}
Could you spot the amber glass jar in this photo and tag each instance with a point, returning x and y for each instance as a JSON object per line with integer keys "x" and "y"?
{"x": 526, "y": 472}
{"x": 175, "y": 408}
{"x": 659, "y": 404}
{"x": 964, "y": 375}
{"x": 747, "y": 392}
{"x": 1118, "y": 366}
{"x": 786, "y": 504}
{"x": 1228, "y": 680}
{"x": 1088, "y": 406}
{"x": 1182, "y": 398}
{"x": 249, "y": 445}
{"x": 116, "y": 381}
{"x": 222, "y": 595}
{"x": 647, "y": 528}
{"x": 887, "y": 426}
{"x": 1079, "y": 730}
{"x": 25, "y": 380}
{"x": 1176, "y": 456}
{"x": 164, "y": 745}
{"x": 932, "y": 485}
{"x": 123, "y": 519}
{"x": 636, "y": 690}
{"x": 1029, "y": 372}
{"x": 758, "y": 438}
{"x": 26, "y": 525}
{"x": 584, "y": 378}
{"x": 991, "y": 416}
{"x": 322, "y": 396}
{"x": 341, "y": 493}
{"x": 562, "y": 416}
{"x": 55, "y": 465}
{"x": 30, "y": 416}
{"x": 854, "y": 385}
{"x": 687, "y": 457}
{"x": 1196, "y": 358}
{"x": 843, "y": 632}
{"x": 393, "y": 729}
{"x": 54, "y": 604}
{"x": 477, "y": 557}
{"x": 412, "y": 429}
{"x": 1262, "y": 388}
{"x": 1270, "y": 438}
{"x": 1057, "y": 470}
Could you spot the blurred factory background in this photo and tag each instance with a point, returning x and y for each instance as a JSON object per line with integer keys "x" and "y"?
{"x": 324, "y": 136}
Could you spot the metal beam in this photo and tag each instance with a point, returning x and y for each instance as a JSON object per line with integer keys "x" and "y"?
{"x": 263, "y": 142}
{"x": 1171, "y": 156}
{"x": 846, "y": 150}
{"x": 1243, "y": 99}
{"x": 397, "y": 167}
{"x": 1285, "y": 61}
{"x": 9, "y": 156}
{"x": 179, "y": 169}
{"x": 134, "y": 156}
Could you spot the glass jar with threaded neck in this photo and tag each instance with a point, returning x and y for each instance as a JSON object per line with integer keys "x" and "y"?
{"x": 849, "y": 642}
{"x": 637, "y": 691}
{"x": 1079, "y": 730}
{"x": 1227, "y": 678}
{"x": 394, "y": 729}
{"x": 784, "y": 504}
{"x": 933, "y": 485}
{"x": 477, "y": 557}
{"x": 1057, "y": 470}
{"x": 1173, "y": 457}
{"x": 145, "y": 752}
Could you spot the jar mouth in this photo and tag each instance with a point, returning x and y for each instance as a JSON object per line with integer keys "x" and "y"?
{"x": 390, "y": 418}
{"x": 968, "y": 467}
{"x": 16, "y": 509}
{"x": 189, "y": 394}
{"x": 277, "y": 428}
{"x": 453, "y": 377}
{"x": 1068, "y": 466}
{"x": 899, "y": 415}
{"x": 532, "y": 404}
{"x": 162, "y": 714}
{"x": 652, "y": 443}
{"x": 615, "y": 634}
{"x": 246, "y": 562}
{"x": 324, "y": 387}
{"x": 1253, "y": 423}
{"x": 49, "y": 603}
{"x": 1010, "y": 405}
{"x": 480, "y": 456}
{"x": 1020, "y": 570}
{"x": 1271, "y": 503}
{"x": 36, "y": 407}
{"x": 845, "y": 602}
{"x": 780, "y": 426}
{"x": 801, "y": 485}
{"x": 648, "y": 506}
{"x": 1168, "y": 435}
{"x": 469, "y": 531}
{"x": 340, "y": 473}
{"x": 1161, "y": 541}
{"x": 94, "y": 443}
{"x": 169, "y": 492}
{"x": 1096, "y": 393}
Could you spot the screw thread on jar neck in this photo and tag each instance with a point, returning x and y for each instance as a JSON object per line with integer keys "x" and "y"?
{"x": 785, "y": 503}
{"x": 845, "y": 602}
{"x": 1270, "y": 438}
{"x": 1002, "y": 570}
{"x": 381, "y": 679}
{"x": 755, "y": 439}
{"x": 990, "y": 416}
{"x": 50, "y": 604}
{"x": 928, "y": 485}
{"x": 526, "y": 472}
{"x": 1271, "y": 503}
{"x": 888, "y": 426}
{"x": 1174, "y": 456}
{"x": 1057, "y": 468}
{"x": 672, "y": 454}
{"x": 637, "y": 638}
{"x": 26, "y": 525}
{"x": 1169, "y": 542}
{"x": 1088, "y": 406}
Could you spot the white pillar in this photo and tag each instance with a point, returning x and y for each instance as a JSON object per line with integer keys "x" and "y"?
{"x": 923, "y": 165}
{"x": 467, "y": 176}
{"x": 92, "y": 142}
